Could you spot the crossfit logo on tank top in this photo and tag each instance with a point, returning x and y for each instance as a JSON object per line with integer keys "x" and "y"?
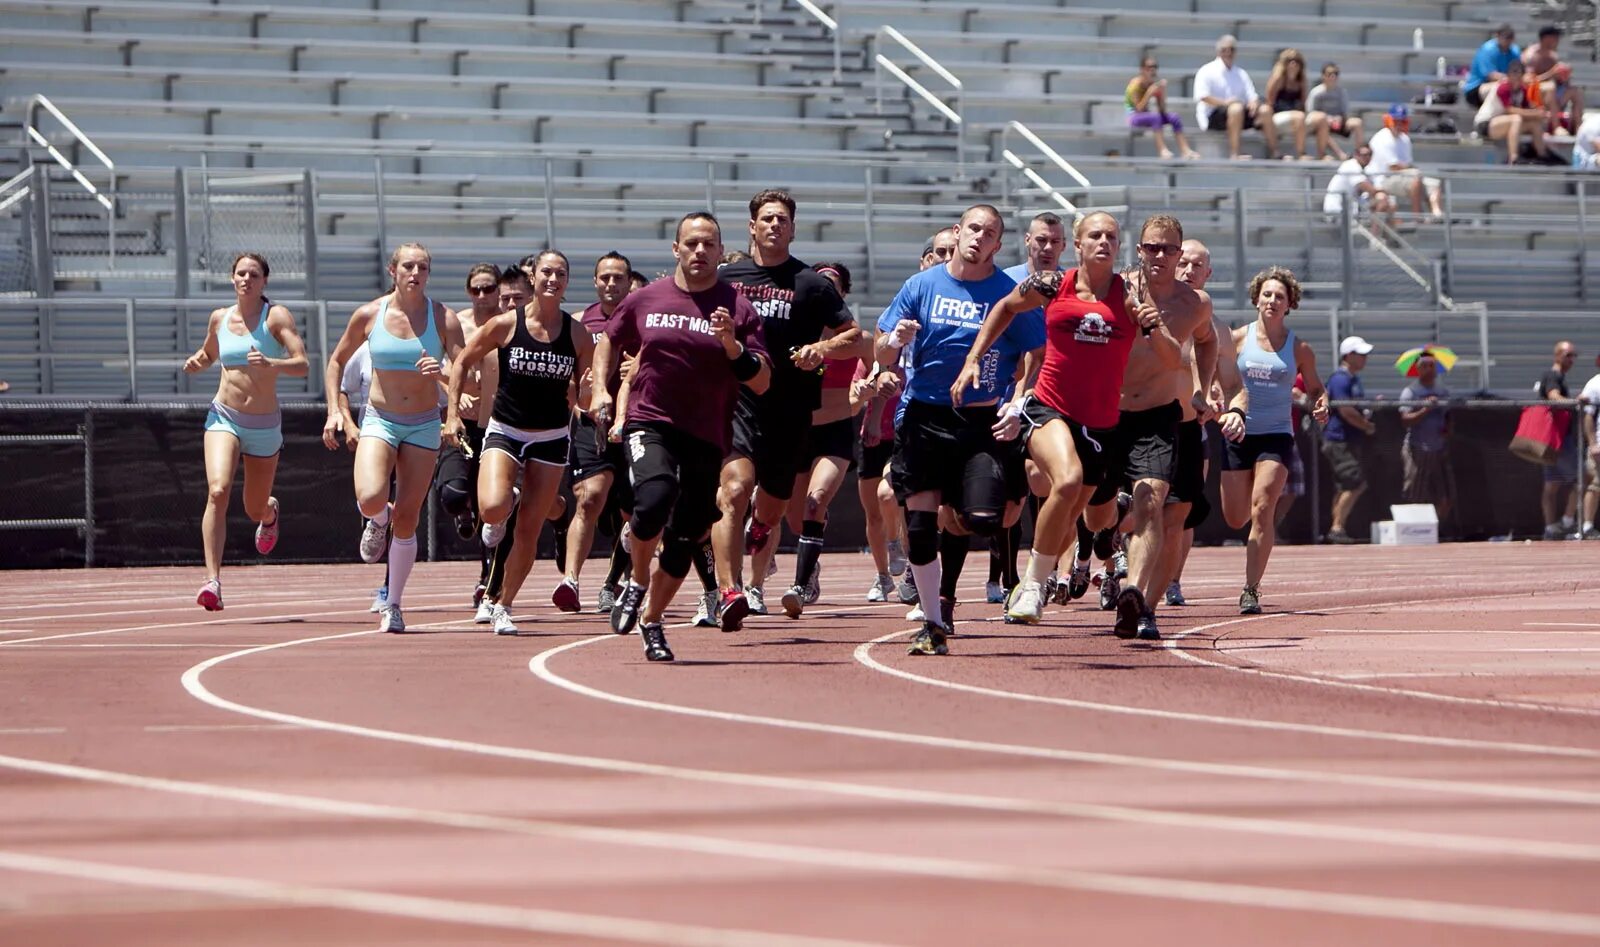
{"x": 770, "y": 302}
{"x": 540, "y": 363}
{"x": 1094, "y": 329}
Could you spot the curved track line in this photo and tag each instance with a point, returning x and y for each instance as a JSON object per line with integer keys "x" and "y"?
{"x": 863, "y": 655}
{"x": 470, "y": 913}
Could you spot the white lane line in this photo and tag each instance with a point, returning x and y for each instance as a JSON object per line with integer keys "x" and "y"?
{"x": 916, "y": 865}
{"x": 1386, "y": 632}
{"x": 469, "y": 913}
{"x": 214, "y": 727}
{"x": 127, "y": 644}
{"x": 1562, "y": 624}
{"x": 1174, "y": 645}
{"x": 863, "y": 654}
{"x": 1548, "y": 651}
{"x": 28, "y": 731}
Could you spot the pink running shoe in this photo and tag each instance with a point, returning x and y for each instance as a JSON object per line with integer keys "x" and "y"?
{"x": 267, "y": 533}
{"x": 210, "y": 597}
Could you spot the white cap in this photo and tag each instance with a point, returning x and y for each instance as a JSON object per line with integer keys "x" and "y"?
{"x": 1356, "y": 344}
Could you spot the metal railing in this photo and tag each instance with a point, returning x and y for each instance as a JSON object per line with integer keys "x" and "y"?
{"x": 1053, "y": 156}
{"x": 31, "y": 133}
{"x": 884, "y": 64}
{"x": 83, "y": 524}
{"x": 830, "y": 24}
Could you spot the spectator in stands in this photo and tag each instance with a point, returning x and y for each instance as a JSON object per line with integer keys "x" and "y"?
{"x": 941, "y": 247}
{"x": 1590, "y": 396}
{"x": 1144, "y": 90}
{"x": 1554, "y": 78}
{"x": 1586, "y": 145}
{"x": 1345, "y": 437}
{"x": 1286, "y": 90}
{"x": 1512, "y": 110}
{"x": 1225, "y": 99}
{"x": 1558, "y": 500}
{"x": 1424, "y": 454}
{"x": 1391, "y": 152}
{"x": 1490, "y": 62}
{"x": 1354, "y": 183}
{"x": 1329, "y": 98}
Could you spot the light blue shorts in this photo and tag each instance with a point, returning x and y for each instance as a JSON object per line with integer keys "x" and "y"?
{"x": 419, "y": 430}
{"x": 260, "y": 435}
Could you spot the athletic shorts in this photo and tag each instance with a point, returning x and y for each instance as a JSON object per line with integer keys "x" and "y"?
{"x": 1349, "y": 462}
{"x": 548, "y": 446}
{"x": 871, "y": 461}
{"x": 1015, "y": 467}
{"x": 694, "y": 466}
{"x": 1339, "y": 125}
{"x": 773, "y": 438}
{"x": 418, "y": 430}
{"x": 933, "y": 444}
{"x": 834, "y": 439}
{"x": 1189, "y": 469}
{"x": 592, "y": 453}
{"x": 260, "y": 435}
{"x": 1091, "y": 444}
{"x": 1243, "y": 454}
{"x": 461, "y": 466}
{"x": 1143, "y": 446}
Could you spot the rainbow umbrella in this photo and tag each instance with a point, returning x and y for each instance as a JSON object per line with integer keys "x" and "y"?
{"x": 1406, "y": 364}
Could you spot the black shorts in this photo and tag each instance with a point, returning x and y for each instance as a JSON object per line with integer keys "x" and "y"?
{"x": 1143, "y": 446}
{"x": 933, "y": 445}
{"x": 1091, "y": 444}
{"x": 1474, "y": 96}
{"x": 1217, "y": 119}
{"x": 695, "y": 466}
{"x": 1339, "y": 125}
{"x": 1015, "y": 466}
{"x": 1349, "y": 462}
{"x": 552, "y": 452}
{"x": 773, "y": 438}
{"x": 461, "y": 466}
{"x": 588, "y": 459}
{"x": 1244, "y": 454}
{"x": 872, "y": 461}
{"x": 1189, "y": 470}
{"x": 834, "y": 439}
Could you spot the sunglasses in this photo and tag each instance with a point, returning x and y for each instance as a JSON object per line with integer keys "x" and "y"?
{"x": 482, "y": 290}
{"x": 1330, "y": 72}
{"x": 1161, "y": 249}
{"x": 1152, "y": 65}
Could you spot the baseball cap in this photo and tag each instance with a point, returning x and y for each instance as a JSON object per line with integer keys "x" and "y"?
{"x": 1356, "y": 344}
{"x": 1399, "y": 112}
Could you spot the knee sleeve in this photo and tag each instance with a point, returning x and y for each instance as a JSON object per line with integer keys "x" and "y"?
{"x": 652, "y": 505}
{"x": 677, "y": 554}
{"x": 1198, "y": 511}
{"x": 922, "y": 536}
{"x": 453, "y": 496}
{"x": 983, "y": 495}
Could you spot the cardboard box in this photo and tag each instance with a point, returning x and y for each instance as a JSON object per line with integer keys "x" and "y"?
{"x": 1414, "y": 524}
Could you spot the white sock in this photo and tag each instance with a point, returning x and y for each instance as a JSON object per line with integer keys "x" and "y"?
{"x": 1040, "y": 567}
{"x": 402, "y": 554}
{"x": 382, "y": 517}
{"x": 927, "y": 576}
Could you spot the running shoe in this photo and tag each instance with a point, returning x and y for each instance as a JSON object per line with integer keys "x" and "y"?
{"x": 375, "y": 539}
{"x": 608, "y": 599}
{"x": 732, "y": 608}
{"x": 813, "y": 586}
{"x": 465, "y": 524}
{"x": 390, "y": 619}
{"x": 1174, "y": 594}
{"x": 881, "y": 588}
{"x": 1078, "y": 582}
{"x": 1147, "y": 627}
{"x": 655, "y": 642}
{"x": 1339, "y": 537}
{"x": 1110, "y": 588}
{"x": 930, "y": 640}
{"x": 947, "y": 614}
{"x": 916, "y": 614}
{"x": 908, "y": 588}
{"x": 626, "y": 612}
{"x": 477, "y": 594}
{"x": 1250, "y": 601}
{"x": 503, "y": 625}
{"x": 757, "y": 599}
{"x": 897, "y": 557}
{"x": 705, "y": 614}
{"x": 755, "y": 536}
{"x": 1130, "y": 608}
{"x": 267, "y": 533}
{"x": 1027, "y": 603}
{"x": 1119, "y": 564}
{"x": 485, "y": 615}
{"x": 493, "y": 534}
{"x": 566, "y": 596}
{"x": 993, "y": 593}
{"x": 1589, "y": 532}
{"x": 380, "y": 596}
{"x": 210, "y": 597}
{"x": 794, "y": 601}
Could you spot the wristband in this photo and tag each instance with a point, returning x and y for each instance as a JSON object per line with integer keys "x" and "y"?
{"x": 1236, "y": 410}
{"x": 745, "y": 366}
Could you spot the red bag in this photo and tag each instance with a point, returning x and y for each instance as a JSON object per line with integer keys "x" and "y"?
{"x": 1540, "y": 434}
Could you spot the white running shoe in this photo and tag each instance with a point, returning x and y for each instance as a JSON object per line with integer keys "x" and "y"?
{"x": 705, "y": 614}
{"x": 1027, "y": 603}
{"x": 380, "y": 597}
{"x": 813, "y": 588}
{"x": 375, "y": 538}
{"x": 916, "y": 614}
{"x": 485, "y": 613}
{"x": 390, "y": 619}
{"x": 493, "y": 534}
{"x": 503, "y": 625}
{"x": 897, "y": 557}
{"x": 757, "y": 599}
{"x": 882, "y": 587}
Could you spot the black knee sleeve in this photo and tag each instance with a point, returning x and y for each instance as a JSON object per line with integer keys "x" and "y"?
{"x": 677, "y": 554}
{"x": 454, "y": 497}
{"x": 652, "y": 505}
{"x": 922, "y": 536}
{"x": 1105, "y": 542}
{"x": 983, "y": 495}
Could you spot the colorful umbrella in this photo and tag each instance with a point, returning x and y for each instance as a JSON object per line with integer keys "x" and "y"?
{"x": 1406, "y": 364}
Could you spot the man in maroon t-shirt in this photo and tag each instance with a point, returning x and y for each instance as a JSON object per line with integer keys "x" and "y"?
{"x": 697, "y": 340}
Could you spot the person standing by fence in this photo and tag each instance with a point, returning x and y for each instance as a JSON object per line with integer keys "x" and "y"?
{"x": 1425, "y": 453}
{"x": 1558, "y": 499}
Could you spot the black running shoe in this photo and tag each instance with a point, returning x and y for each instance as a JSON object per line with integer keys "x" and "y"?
{"x": 930, "y": 640}
{"x": 655, "y": 641}
{"x": 947, "y": 612}
{"x": 1250, "y": 601}
{"x": 1147, "y": 627}
{"x": 1110, "y": 588}
{"x": 625, "y": 614}
{"x": 1130, "y": 608}
{"x": 1078, "y": 582}
{"x": 466, "y": 526}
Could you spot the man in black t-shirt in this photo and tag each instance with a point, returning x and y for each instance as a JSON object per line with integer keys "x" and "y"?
{"x": 1558, "y": 500}
{"x": 798, "y": 306}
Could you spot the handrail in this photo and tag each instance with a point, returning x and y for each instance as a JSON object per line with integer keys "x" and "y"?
{"x": 30, "y": 129}
{"x": 1383, "y": 247}
{"x": 832, "y": 26}
{"x": 1050, "y": 153}
{"x": 22, "y": 190}
{"x": 883, "y": 64}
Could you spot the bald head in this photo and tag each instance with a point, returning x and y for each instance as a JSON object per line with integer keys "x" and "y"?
{"x": 1566, "y": 355}
{"x": 1194, "y": 265}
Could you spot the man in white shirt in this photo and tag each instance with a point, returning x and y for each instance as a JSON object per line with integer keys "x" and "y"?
{"x": 1590, "y": 397}
{"x": 1352, "y": 183}
{"x": 1224, "y": 98}
{"x": 1586, "y": 146}
{"x": 1391, "y": 156}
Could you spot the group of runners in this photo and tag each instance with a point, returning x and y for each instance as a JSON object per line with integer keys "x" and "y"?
{"x": 697, "y": 413}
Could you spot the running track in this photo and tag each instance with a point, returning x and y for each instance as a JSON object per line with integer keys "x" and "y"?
{"x": 1404, "y": 750}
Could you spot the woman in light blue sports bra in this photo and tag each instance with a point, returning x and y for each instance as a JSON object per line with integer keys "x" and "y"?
{"x": 409, "y": 337}
{"x": 256, "y": 341}
{"x": 1254, "y": 468}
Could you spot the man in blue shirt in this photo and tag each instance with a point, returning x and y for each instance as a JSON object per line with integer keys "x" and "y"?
{"x": 1344, "y": 440}
{"x": 1490, "y": 62}
{"x": 945, "y": 454}
{"x": 1425, "y": 451}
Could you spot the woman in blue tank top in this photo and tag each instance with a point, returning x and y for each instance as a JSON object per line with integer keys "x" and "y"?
{"x": 255, "y": 341}
{"x": 408, "y": 337}
{"x": 1255, "y": 467}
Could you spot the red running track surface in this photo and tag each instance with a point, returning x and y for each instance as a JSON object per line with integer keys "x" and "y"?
{"x": 1404, "y": 750}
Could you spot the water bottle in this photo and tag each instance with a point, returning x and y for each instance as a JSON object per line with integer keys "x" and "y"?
{"x": 1438, "y": 68}
{"x": 1416, "y": 39}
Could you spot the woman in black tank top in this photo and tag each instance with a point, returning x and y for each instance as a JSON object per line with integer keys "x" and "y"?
{"x": 542, "y": 351}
